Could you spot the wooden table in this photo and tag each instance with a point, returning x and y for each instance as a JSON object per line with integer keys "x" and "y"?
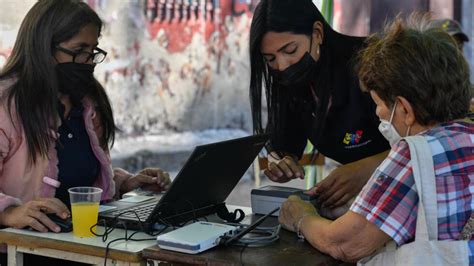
{"x": 68, "y": 247}
{"x": 288, "y": 250}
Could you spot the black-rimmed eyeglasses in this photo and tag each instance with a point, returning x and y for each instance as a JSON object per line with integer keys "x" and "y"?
{"x": 97, "y": 57}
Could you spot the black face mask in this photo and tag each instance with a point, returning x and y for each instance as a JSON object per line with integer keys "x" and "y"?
{"x": 298, "y": 75}
{"x": 75, "y": 80}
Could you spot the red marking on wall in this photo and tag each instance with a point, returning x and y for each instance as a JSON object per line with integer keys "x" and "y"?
{"x": 175, "y": 22}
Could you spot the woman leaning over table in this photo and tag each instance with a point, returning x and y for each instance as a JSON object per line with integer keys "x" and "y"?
{"x": 420, "y": 83}
{"x": 305, "y": 69}
{"x": 56, "y": 121}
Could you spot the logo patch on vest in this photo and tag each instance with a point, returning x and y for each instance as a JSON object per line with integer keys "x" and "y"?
{"x": 353, "y": 139}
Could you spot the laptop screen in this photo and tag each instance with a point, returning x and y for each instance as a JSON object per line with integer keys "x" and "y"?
{"x": 208, "y": 177}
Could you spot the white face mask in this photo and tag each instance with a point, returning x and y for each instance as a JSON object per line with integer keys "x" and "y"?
{"x": 388, "y": 130}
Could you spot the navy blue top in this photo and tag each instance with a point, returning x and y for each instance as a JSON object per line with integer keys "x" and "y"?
{"x": 77, "y": 163}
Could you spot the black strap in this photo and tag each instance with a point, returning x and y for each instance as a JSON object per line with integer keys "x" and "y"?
{"x": 231, "y": 217}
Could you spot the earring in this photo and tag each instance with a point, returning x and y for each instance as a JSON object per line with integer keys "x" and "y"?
{"x": 317, "y": 51}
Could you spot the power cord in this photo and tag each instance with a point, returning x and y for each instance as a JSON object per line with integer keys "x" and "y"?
{"x": 270, "y": 235}
{"x": 266, "y": 235}
{"x": 115, "y": 224}
{"x": 263, "y": 236}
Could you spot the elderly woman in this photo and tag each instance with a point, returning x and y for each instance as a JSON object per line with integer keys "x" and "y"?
{"x": 420, "y": 84}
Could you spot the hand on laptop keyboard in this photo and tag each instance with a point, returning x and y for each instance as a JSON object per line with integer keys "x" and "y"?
{"x": 151, "y": 179}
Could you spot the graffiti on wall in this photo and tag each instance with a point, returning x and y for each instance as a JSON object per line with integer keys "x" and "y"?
{"x": 184, "y": 62}
{"x": 177, "y": 20}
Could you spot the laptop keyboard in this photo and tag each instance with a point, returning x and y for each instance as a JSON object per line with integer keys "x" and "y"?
{"x": 143, "y": 211}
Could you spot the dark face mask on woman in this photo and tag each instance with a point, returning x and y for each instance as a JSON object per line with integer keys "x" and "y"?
{"x": 75, "y": 80}
{"x": 300, "y": 74}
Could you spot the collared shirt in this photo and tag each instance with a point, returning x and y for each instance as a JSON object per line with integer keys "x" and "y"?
{"x": 77, "y": 164}
{"x": 390, "y": 200}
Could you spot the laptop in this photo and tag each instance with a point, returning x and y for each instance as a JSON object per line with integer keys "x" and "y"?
{"x": 202, "y": 185}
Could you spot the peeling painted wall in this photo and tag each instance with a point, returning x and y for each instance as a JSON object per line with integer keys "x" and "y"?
{"x": 171, "y": 65}
{"x": 170, "y": 71}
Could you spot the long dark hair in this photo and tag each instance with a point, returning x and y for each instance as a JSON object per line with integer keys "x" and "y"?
{"x": 296, "y": 17}
{"x": 35, "y": 94}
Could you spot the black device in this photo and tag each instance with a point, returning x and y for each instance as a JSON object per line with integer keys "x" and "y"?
{"x": 64, "y": 224}
{"x": 200, "y": 188}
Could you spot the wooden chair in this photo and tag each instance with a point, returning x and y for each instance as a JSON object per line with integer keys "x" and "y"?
{"x": 261, "y": 163}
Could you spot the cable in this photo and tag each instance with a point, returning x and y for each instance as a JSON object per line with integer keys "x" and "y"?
{"x": 266, "y": 236}
{"x": 272, "y": 233}
{"x": 108, "y": 246}
{"x": 126, "y": 238}
{"x": 114, "y": 224}
{"x": 129, "y": 238}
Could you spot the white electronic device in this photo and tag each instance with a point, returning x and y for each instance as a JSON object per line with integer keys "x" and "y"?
{"x": 195, "y": 238}
{"x": 267, "y": 198}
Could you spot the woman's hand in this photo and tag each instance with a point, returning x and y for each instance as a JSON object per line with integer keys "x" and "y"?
{"x": 33, "y": 214}
{"x": 340, "y": 186}
{"x": 294, "y": 209}
{"x": 152, "y": 179}
{"x": 283, "y": 169}
{"x": 345, "y": 182}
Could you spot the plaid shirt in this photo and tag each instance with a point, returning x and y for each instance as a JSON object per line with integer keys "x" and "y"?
{"x": 390, "y": 200}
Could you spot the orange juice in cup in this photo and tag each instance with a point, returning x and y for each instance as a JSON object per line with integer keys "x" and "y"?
{"x": 85, "y": 209}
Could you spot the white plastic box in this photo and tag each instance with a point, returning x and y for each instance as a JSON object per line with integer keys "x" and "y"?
{"x": 194, "y": 238}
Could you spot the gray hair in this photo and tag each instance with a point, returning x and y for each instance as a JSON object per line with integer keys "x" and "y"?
{"x": 413, "y": 59}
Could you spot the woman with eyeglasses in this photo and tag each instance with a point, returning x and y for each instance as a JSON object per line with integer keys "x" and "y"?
{"x": 56, "y": 121}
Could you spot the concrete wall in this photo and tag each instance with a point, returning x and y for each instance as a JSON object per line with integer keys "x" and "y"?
{"x": 165, "y": 72}
{"x": 12, "y": 13}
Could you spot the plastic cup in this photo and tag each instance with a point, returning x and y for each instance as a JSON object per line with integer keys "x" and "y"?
{"x": 85, "y": 209}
